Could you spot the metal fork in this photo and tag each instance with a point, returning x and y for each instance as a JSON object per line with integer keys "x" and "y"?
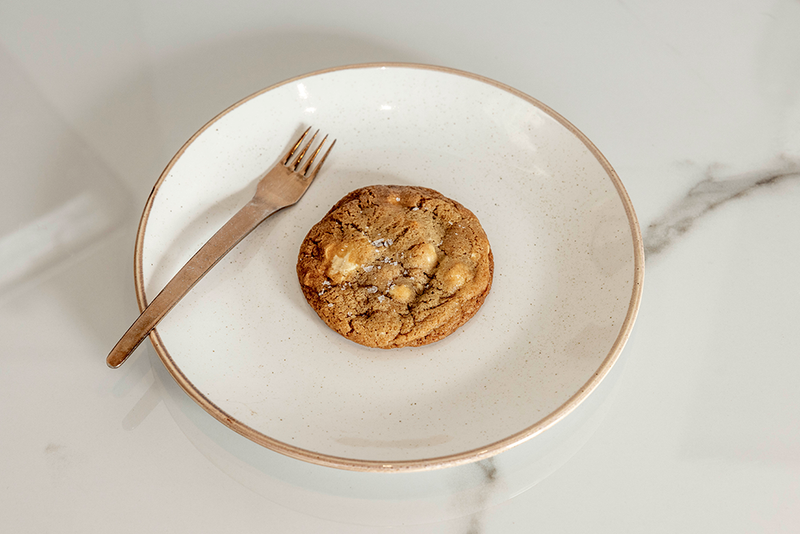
{"x": 282, "y": 186}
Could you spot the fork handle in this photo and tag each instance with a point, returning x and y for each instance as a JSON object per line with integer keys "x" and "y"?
{"x": 227, "y": 237}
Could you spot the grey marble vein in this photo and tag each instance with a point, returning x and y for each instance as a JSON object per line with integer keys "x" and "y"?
{"x": 489, "y": 475}
{"x": 709, "y": 194}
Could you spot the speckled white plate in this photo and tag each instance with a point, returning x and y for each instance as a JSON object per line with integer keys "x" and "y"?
{"x": 246, "y": 347}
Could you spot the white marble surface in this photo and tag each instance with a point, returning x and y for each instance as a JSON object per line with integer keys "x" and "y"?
{"x": 694, "y": 103}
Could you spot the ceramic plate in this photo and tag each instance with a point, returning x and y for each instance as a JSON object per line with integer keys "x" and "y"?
{"x": 246, "y": 346}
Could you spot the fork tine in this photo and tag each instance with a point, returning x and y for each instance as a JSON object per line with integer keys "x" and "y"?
{"x": 324, "y": 157}
{"x": 302, "y": 153}
{"x": 313, "y": 156}
{"x": 291, "y": 152}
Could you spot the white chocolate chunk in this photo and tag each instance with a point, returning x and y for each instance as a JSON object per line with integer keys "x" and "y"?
{"x": 456, "y": 276}
{"x": 424, "y": 257}
{"x": 402, "y": 293}
{"x": 341, "y": 267}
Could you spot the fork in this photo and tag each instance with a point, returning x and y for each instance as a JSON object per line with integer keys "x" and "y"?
{"x": 281, "y": 186}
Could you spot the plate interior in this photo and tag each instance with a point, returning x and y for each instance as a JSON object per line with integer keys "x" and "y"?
{"x": 250, "y": 349}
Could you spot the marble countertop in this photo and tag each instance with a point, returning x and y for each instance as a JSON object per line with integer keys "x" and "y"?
{"x": 695, "y": 104}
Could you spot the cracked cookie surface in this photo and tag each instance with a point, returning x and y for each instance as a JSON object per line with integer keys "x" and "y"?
{"x": 396, "y": 266}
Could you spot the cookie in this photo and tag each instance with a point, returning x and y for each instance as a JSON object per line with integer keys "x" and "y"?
{"x": 396, "y": 266}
